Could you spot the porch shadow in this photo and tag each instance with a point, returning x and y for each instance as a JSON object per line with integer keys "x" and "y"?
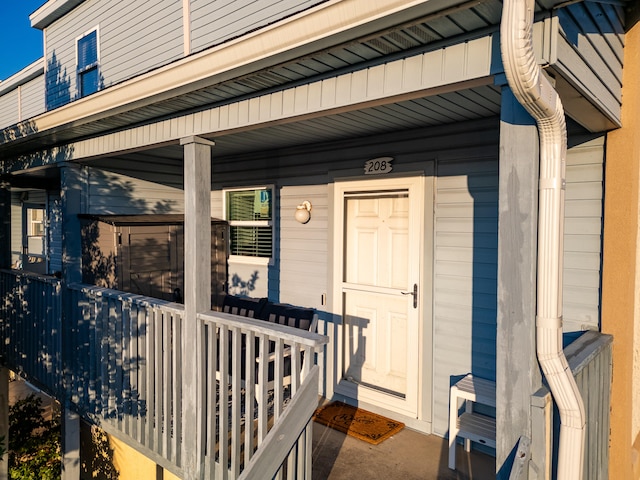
{"x": 330, "y": 442}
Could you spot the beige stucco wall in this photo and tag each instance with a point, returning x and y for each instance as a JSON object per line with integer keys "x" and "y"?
{"x": 130, "y": 464}
{"x": 621, "y": 269}
{"x": 135, "y": 466}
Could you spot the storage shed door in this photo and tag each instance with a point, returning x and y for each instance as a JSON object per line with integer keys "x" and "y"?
{"x": 149, "y": 256}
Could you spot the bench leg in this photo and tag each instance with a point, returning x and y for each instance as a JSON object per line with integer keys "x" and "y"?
{"x": 468, "y": 407}
{"x": 453, "y": 427}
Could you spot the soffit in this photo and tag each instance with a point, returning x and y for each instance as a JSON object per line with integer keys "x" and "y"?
{"x": 164, "y": 164}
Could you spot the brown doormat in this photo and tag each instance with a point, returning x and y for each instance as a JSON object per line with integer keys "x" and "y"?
{"x": 358, "y": 423}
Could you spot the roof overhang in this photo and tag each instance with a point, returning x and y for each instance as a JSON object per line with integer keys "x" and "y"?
{"x": 25, "y": 75}
{"x": 274, "y": 60}
{"x": 52, "y": 11}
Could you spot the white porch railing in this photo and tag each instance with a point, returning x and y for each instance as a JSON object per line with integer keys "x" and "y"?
{"x": 30, "y": 326}
{"x": 265, "y": 375}
{"x": 124, "y": 373}
{"x": 123, "y": 367}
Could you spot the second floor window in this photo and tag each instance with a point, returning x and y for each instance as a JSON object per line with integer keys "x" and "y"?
{"x": 87, "y": 52}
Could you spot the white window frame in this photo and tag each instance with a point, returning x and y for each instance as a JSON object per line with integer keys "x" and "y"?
{"x": 27, "y": 226}
{"x": 87, "y": 68}
{"x": 248, "y": 259}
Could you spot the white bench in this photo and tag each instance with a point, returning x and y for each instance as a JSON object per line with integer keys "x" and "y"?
{"x": 470, "y": 425}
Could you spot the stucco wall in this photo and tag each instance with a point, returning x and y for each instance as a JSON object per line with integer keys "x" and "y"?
{"x": 621, "y": 270}
{"x": 101, "y": 454}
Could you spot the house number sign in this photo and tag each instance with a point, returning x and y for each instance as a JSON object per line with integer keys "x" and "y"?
{"x": 377, "y": 166}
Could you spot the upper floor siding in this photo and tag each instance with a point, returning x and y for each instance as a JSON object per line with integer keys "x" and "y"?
{"x": 136, "y": 37}
{"x": 215, "y": 22}
{"x": 22, "y": 95}
{"x": 132, "y": 38}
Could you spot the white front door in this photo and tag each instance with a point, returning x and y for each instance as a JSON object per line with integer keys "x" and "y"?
{"x": 379, "y": 291}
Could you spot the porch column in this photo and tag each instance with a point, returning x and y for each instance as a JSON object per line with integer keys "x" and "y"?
{"x": 72, "y": 202}
{"x": 197, "y": 294}
{"x": 5, "y": 226}
{"x": 4, "y": 422}
{"x": 517, "y": 373}
{"x": 73, "y": 184}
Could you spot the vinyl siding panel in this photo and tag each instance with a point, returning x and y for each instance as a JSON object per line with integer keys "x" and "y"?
{"x": 111, "y": 193}
{"x": 214, "y": 22}
{"x": 133, "y": 38}
{"x": 590, "y": 52}
{"x": 465, "y": 263}
{"x": 465, "y": 275}
{"x": 303, "y": 248}
{"x": 9, "y": 113}
{"x": 16, "y": 228}
{"x": 583, "y": 236}
{"x": 55, "y": 233}
{"x": 32, "y": 95}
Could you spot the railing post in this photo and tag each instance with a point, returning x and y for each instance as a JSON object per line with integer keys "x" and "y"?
{"x": 5, "y": 224}
{"x": 72, "y": 188}
{"x": 541, "y": 433}
{"x": 70, "y": 444}
{"x": 197, "y": 295}
{"x": 4, "y": 422}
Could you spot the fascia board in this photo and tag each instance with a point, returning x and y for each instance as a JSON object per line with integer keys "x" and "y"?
{"x": 52, "y": 11}
{"x": 23, "y": 76}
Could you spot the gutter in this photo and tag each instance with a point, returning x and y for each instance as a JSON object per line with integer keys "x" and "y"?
{"x": 537, "y": 95}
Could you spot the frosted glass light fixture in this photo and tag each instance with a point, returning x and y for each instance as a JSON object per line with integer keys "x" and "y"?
{"x": 303, "y": 212}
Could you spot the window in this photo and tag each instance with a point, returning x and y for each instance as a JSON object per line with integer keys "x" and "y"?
{"x": 34, "y": 249}
{"x": 35, "y": 222}
{"x": 250, "y": 216}
{"x": 87, "y": 59}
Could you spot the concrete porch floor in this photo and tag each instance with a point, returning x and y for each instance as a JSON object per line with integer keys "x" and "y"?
{"x": 408, "y": 455}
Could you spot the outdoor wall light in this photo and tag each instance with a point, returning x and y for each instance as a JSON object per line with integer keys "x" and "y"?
{"x": 303, "y": 212}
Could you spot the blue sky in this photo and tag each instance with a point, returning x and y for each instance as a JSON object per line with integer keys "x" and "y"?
{"x": 20, "y": 44}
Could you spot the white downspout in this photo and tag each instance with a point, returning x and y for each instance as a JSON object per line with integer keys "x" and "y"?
{"x": 537, "y": 95}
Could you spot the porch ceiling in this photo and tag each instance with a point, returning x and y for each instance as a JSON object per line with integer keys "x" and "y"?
{"x": 166, "y": 161}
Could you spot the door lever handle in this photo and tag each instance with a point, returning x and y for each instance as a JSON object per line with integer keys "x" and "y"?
{"x": 414, "y": 292}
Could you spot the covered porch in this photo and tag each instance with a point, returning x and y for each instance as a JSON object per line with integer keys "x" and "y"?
{"x": 442, "y": 111}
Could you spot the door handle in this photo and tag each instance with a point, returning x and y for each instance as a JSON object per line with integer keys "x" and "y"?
{"x": 414, "y": 292}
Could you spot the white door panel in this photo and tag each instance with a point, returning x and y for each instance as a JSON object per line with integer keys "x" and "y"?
{"x": 380, "y": 226}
